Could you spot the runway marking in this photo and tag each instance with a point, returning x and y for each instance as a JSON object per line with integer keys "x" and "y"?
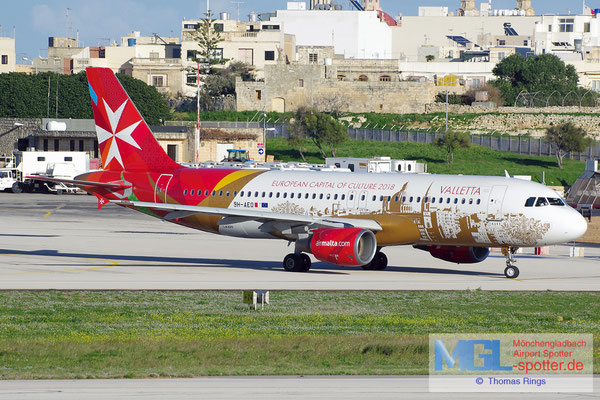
{"x": 47, "y": 214}
{"x": 113, "y": 264}
{"x": 56, "y": 209}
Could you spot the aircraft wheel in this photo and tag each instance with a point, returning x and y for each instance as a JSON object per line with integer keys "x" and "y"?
{"x": 511, "y": 272}
{"x": 293, "y": 263}
{"x": 306, "y": 262}
{"x": 379, "y": 263}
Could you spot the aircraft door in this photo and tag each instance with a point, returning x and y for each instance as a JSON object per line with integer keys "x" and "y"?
{"x": 351, "y": 200}
{"x": 495, "y": 203}
{"x": 162, "y": 185}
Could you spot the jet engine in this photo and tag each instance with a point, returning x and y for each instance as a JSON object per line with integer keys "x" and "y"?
{"x": 343, "y": 246}
{"x": 459, "y": 255}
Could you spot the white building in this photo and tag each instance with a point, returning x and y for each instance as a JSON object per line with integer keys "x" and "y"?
{"x": 7, "y": 55}
{"x": 256, "y": 43}
{"x": 354, "y": 34}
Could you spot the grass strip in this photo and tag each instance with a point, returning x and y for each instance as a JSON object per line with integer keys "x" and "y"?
{"x": 116, "y": 334}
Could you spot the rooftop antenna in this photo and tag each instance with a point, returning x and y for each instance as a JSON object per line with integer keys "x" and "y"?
{"x": 207, "y": 7}
{"x": 238, "y": 3}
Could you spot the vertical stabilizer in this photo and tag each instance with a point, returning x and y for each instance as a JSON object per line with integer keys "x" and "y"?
{"x": 124, "y": 138}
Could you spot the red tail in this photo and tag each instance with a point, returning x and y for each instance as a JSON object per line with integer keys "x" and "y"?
{"x": 126, "y": 142}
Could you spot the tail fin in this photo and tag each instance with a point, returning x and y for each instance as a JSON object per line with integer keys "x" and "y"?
{"x": 124, "y": 138}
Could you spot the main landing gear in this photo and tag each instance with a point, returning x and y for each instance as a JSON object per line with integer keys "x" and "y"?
{"x": 297, "y": 262}
{"x": 511, "y": 271}
{"x": 379, "y": 262}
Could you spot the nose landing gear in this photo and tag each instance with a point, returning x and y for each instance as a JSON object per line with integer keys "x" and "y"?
{"x": 511, "y": 271}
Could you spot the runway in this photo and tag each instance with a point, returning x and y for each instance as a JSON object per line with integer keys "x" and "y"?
{"x": 294, "y": 387}
{"x": 64, "y": 242}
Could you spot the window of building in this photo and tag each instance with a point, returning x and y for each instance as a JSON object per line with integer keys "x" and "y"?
{"x": 102, "y": 53}
{"x": 300, "y": 82}
{"x": 549, "y": 28}
{"x": 56, "y": 145}
{"x": 172, "y": 151}
{"x": 218, "y": 27}
{"x": 81, "y": 145}
{"x": 4, "y": 59}
{"x": 158, "y": 81}
{"x": 363, "y": 78}
{"x": 45, "y": 145}
{"x": 501, "y": 42}
{"x": 501, "y": 55}
{"x": 191, "y": 54}
{"x": 313, "y": 58}
{"x": 566, "y": 24}
{"x": 271, "y": 27}
{"x": 190, "y": 26}
{"x": 154, "y": 55}
{"x": 341, "y": 77}
{"x": 259, "y": 95}
{"x": 217, "y": 54}
{"x": 269, "y": 55}
{"x": 191, "y": 79}
{"x": 586, "y": 27}
{"x": 385, "y": 78}
{"x": 72, "y": 145}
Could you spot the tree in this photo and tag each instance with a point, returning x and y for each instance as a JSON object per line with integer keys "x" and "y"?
{"x": 222, "y": 82}
{"x": 26, "y": 96}
{"x": 544, "y": 73}
{"x": 566, "y": 138}
{"x": 429, "y": 57}
{"x": 322, "y": 129}
{"x": 452, "y": 141}
{"x": 208, "y": 40}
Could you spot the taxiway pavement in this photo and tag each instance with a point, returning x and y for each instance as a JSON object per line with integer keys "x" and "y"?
{"x": 64, "y": 242}
{"x": 220, "y": 388}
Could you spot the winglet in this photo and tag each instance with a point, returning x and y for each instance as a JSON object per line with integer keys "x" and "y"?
{"x": 102, "y": 201}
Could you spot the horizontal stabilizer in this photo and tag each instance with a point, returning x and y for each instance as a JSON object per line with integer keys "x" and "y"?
{"x": 105, "y": 185}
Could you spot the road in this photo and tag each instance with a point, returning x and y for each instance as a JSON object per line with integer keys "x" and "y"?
{"x": 64, "y": 242}
{"x": 266, "y": 388}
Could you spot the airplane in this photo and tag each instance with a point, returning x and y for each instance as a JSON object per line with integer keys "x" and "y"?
{"x": 344, "y": 219}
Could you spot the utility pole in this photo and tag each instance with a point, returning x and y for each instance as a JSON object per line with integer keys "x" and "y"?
{"x": 197, "y": 132}
{"x": 238, "y": 3}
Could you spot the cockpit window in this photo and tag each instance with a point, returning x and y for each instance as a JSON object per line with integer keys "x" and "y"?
{"x": 541, "y": 202}
{"x": 530, "y": 202}
{"x": 554, "y": 201}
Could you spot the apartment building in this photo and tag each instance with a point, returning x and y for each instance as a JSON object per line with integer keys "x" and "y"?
{"x": 7, "y": 55}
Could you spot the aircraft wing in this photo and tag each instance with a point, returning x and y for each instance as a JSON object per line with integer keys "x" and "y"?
{"x": 271, "y": 221}
{"x": 76, "y": 182}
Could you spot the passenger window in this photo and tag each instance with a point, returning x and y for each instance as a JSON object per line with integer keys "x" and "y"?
{"x": 192, "y": 192}
{"x": 255, "y": 194}
{"x": 470, "y": 201}
{"x": 220, "y": 193}
{"x": 374, "y": 198}
{"x": 328, "y": 196}
{"x": 351, "y": 197}
{"x": 351, "y": 167}
{"x": 314, "y": 196}
{"x": 448, "y": 200}
{"x": 306, "y": 196}
{"x": 530, "y": 202}
{"x": 270, "y": 195}
{"x": 363, "y": 197}
{"x": 335, "y": 197}
{"x": 206, "y": 192}
{"x": 541, "y": 202}
{"x": 227, "y": 194}
{"x": 410, "y": 200}
{"x": 426, "y": 200}
{"x": 264, "y": 194}
{"x": 277, "y": 194}
{"x": 242, "y": 193}
{"x": 555, "y": 201}
{"x": 380, "y": 198}
{"x": 404, "y": 199}
{"x": 418, "y": 199}
{"x": 214, "y": 193}
{"x": 396, "y": 199}
{"x": 185, "y": 192}
{"x": 433, "y": 200}
{"x": 291, "y": 195}
{"x": 463, "y": 201}
{"x": 343, "y": 197}
{"x": 390, "y": 199}
{"x": 285, "y": 195}
{"x": 478, "y": 201}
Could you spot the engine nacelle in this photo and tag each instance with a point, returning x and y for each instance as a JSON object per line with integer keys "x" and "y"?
{"x": 344, "y": 246}
{"x": 459, "y": 255}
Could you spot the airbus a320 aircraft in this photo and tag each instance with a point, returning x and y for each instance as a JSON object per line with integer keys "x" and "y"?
{"x": 340, "y": 218}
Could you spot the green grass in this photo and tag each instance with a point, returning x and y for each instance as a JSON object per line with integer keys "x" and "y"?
{"x": 476, "y": 160}
{"x": 53, "y": 334}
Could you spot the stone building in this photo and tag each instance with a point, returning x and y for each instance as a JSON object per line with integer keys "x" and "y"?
{"x": 333, "y": 83}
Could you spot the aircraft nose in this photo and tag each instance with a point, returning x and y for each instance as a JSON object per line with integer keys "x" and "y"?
{"x": 576, "y": 226}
